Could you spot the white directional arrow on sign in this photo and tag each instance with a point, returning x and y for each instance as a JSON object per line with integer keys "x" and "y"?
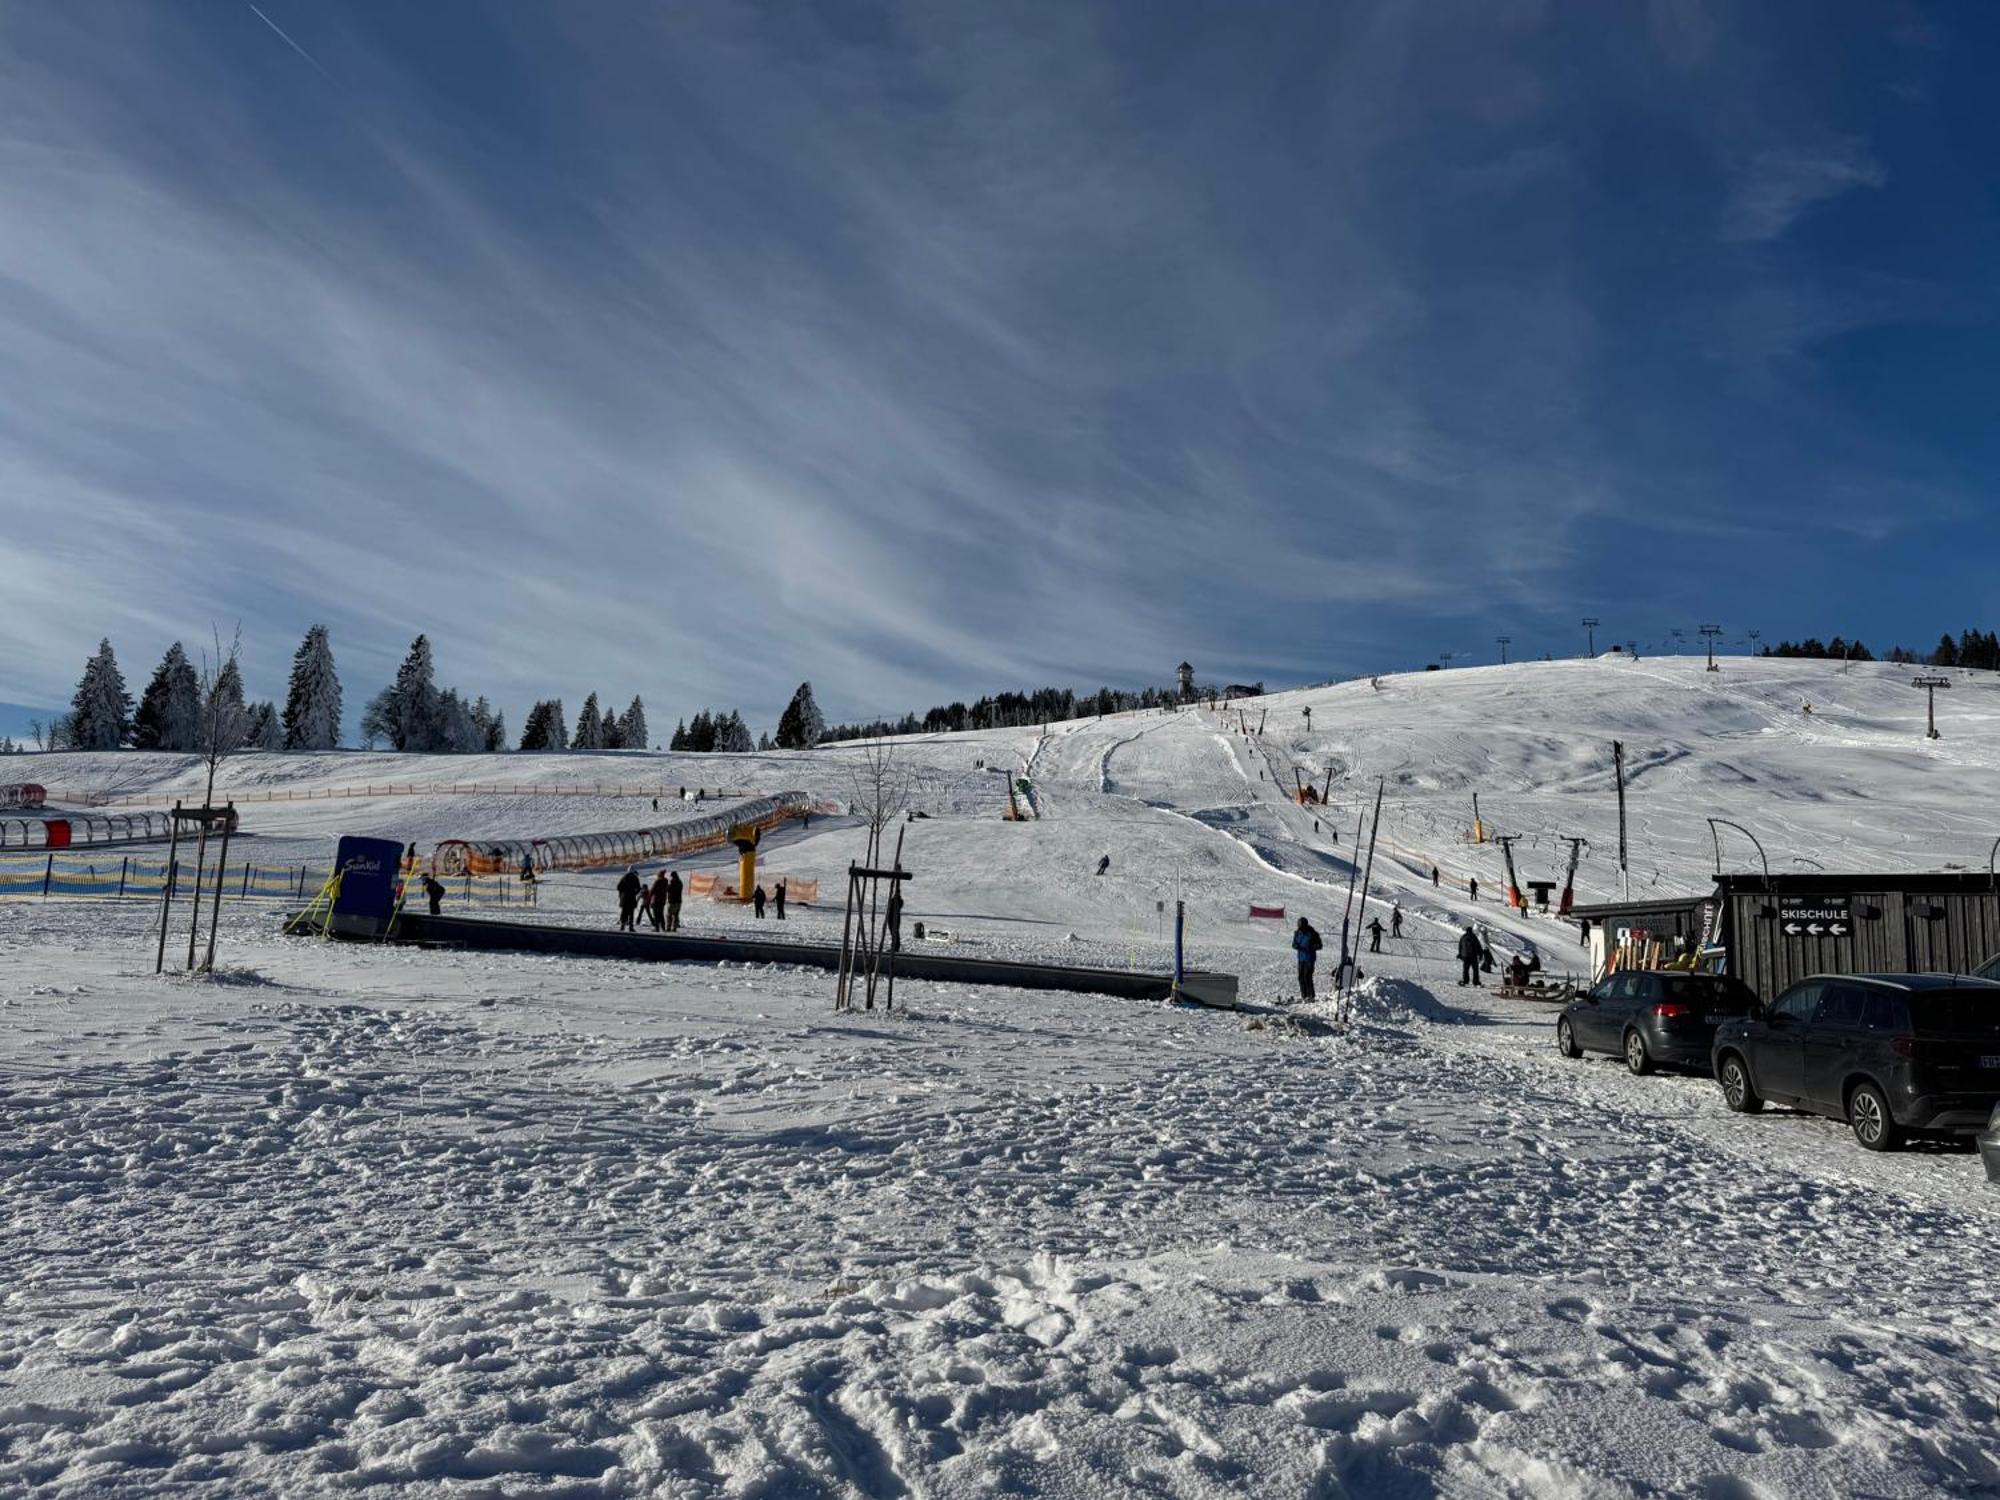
{"x": 1793, "y": 927}
{"x": 1838, "y": 929}
{"x": 1814, "y": 928}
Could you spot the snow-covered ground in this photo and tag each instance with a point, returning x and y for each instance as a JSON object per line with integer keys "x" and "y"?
{"x": 374, "y": 1220}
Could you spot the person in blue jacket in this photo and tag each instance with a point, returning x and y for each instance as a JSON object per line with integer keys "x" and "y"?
{"x": 1306, "y": 944}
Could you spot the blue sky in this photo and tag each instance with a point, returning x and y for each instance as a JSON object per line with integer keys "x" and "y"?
{"x": 925, "y": 350}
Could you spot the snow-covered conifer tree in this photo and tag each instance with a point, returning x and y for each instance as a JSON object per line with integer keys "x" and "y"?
{"x": 226, "y": 717}
{"x": 100, "y": 716}
{"x": 169, "y": 716}
{"x": 633, "y": 726}
{"x": 801, "y": 724}
{"x": 412, "y": 710}
{"x": 265, "y": 732}
{"x": 312, "y": 702}
{"x": 589, "y": 727}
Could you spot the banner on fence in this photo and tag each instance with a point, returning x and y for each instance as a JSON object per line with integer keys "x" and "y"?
{"x": 112, "y": 879}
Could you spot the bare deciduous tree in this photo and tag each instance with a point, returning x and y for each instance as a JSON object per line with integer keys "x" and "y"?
{"x": 881, "y": 787}
{"x": 222, "y": 719}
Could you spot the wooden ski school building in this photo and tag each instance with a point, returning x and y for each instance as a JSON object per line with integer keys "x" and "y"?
{"x": 1771, "y": 931}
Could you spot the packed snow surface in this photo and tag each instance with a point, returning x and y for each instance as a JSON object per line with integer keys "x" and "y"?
{"x": 374, "y": 1220}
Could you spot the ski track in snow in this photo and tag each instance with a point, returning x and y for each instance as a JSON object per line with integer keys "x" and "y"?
{"x": 365, "y": 1220}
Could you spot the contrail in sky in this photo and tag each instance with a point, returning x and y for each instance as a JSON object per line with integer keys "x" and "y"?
{"x": 290, "y": 43}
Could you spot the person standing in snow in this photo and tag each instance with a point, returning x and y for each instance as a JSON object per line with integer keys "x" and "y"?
{"x": 628, "y": 901}
{"x": 673, "y": 901}
{"x": 1305, "y": 947}
{"x": 434, "y": 891}
{"x": 1470, "y": 951}
{"x": 1434, "y": 877}
{"x": 1375, "y": 935}
{"x": 1396, "y": 921}
{"x": 757, "y": 900}
{"x": 1472, "y": 888}
{"x": 778, "y": 899}
{"x": 1104, "y": 864}
{"x": 895, "y": 916}
{"x": 656, "y": 901}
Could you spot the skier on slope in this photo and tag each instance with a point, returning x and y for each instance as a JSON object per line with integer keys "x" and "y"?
{"x": 1472, "y": 888}
{"x": 1396, "y": 921}
{"x": 1306, "y": 946}
{"x": 1470, "y": 950}
{"x": 1375, "y": 935}
{"x": 1104, "y": 864}
{"x": 628, "y": 900}
{"x": 1434, "y": 877}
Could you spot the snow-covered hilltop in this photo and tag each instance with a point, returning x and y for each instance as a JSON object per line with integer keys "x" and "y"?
{"x": 389, "y": 1220}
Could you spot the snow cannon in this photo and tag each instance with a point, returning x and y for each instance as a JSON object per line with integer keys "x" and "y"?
{"x": 744, "y": 836}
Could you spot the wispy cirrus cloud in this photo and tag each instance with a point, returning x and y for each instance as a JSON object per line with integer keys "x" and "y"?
{"x": 695, "y": 350}
{"x": 1779, "y": 185}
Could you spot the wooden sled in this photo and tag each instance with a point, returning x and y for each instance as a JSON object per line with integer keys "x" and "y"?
{"x": 1550, "y": 992}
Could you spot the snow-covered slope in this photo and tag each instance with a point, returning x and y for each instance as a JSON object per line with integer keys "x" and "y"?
{"x": 378, "y": 1220}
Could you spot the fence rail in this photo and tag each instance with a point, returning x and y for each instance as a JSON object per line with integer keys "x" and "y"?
{"x": 411, "y": 789}
{"x": 112, "y": 879}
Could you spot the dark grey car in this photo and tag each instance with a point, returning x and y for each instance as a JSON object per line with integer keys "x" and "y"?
{"x": 1650, "y": 1017}
{"x": 1888, "y": 1053}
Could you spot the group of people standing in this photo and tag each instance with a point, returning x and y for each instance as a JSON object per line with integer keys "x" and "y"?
{"x": 661, "y": 901}
{"x": 1306, "y": 944}
{"x": 1473, "y": 953}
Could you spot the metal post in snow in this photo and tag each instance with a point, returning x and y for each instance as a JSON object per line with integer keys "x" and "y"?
{"x": 48, "y": 876}
{"x": 1368, "y": 871}
{"x": 1347, "y": 908}
{"x": 124, "y": 867}
{"x": 1618, "y": 771}
{"x": 167, "y": 889}
{"x": 221, "y": 868}
{"x": 200, "y": 869}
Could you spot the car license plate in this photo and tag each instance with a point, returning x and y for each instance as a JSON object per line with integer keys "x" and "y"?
{"x": 1989, "y": 1062}
{"x": 1716, "y": 1018}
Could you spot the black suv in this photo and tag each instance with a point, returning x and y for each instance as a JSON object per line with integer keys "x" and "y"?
{"x": 1888, "y": 1053}
{"x": 1652, "y": 1016}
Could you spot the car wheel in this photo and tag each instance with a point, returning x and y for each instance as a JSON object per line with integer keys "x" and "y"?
{"x": 1637, "y": 1058}
{"x": 1738, "y": 1092}
{"x": 1868, "y": 1115}
{"x": 1566, "y": 1039}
